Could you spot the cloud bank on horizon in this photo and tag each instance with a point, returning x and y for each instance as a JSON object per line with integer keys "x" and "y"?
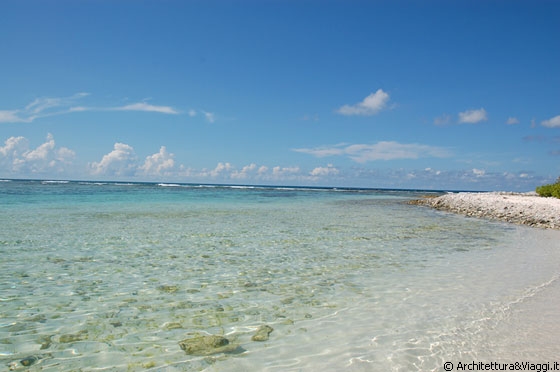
{"x": 122, "y": 163}
{"x": 379, "y": 105}
{"x": 17, "y": 158}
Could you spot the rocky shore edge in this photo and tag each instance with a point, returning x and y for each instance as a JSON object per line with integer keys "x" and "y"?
{"x": 519, "y": 208}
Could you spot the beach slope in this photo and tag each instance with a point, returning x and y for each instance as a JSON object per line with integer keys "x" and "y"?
{"x": 519, "y": 208}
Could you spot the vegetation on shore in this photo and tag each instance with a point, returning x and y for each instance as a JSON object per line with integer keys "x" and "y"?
{"x": 552, "y": 189}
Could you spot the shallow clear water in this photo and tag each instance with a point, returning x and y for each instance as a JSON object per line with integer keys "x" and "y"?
{"x": 113, "y": 276}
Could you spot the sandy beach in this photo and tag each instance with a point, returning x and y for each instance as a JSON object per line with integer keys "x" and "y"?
{"x": 519, "y": 208}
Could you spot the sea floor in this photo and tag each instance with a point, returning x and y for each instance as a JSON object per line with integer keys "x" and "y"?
{"x": 357, "y": 281}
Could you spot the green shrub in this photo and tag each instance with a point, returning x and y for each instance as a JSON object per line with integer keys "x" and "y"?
{"x": 549, "y": 190}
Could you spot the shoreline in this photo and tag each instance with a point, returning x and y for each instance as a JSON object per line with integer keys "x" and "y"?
{"x": 518, "y": 208}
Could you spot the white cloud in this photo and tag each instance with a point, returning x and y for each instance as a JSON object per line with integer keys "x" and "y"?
{"x": 41, "y": 152}
{"x": 278, "y": 172}
{"x": 52, "y": 106}
{"x": 552, "y": 122}
{"x": 473, "y": 116}
{"x": 389, "y": 150}
{"x": 12, "y": 152}
{"x": 12, "y": 145}
{"x": 17, "y": 158}
{"x": 209, "y": 116}
{"x": 159, "y": 164}
{"x": 122, "y": 161}
{"x": 329, "y": 170}
{"x": 11, "y": 116}
{"x": 245, "y": 172}
{"x": 371, "y": 105}
{"x": 79, "y": 109}
{"x": 512, "y": 121}
{"x": 254, "y": 173}
{"x": 442, "y": 120}
{"x": 314, "y": 117}
{"x": 257, "y": 174}
{"x": 41, "y": 107}
{"x": 478, "y": 172}
{"x": 432, "y": 171}
{"x": 384, "y": 150}
{"x": 460, "y": 179}
{"x": 323, "y": 151}
{"x": 143, "y": 106}
{"x": 220, "y": 170}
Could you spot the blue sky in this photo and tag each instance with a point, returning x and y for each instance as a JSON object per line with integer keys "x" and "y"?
{"x": 399, "y": 94}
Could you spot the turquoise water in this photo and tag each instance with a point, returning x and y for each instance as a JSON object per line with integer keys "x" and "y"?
{"x": 112, "y": 276}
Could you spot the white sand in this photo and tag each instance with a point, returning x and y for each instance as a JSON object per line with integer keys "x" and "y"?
{"x": 527, "y": 209}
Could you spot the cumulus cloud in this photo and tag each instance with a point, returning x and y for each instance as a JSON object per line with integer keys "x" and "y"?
{"x": 14, "y": 148}
{"x": 371, "y": 105}
{"x": 384, "y": 150}
{"x": 226, "y": 171}
{"x": 262, "y": 169}
{"x": 245, "y": 172}
{"x": 253, "y": 173}
{"x": 552, "y": 122}
{"x": 279, "y": 172}
{"x": 159, "y": 164}
{"x": 478, "y": 172}
{"x": 329, "y": 170}
{"x": 431, "y": 171}
{"x": 473, "y": 116}
{"x": 19, "y": 159}
{"x": 221, "y": 169}
{"x": 122, "y": 161}
{"x": 512, "y": 121}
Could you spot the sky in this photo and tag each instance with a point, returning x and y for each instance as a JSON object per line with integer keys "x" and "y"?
{"x": 442, "y": 95}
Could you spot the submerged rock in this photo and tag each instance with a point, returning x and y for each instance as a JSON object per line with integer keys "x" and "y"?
{"x": 207, "y": 345}
{"x": 69, "y": 338}
{"x": 26, "y": 362}
{"x": 168, "y": 288}
{"x": 46, "y": 341}
{"x": 29, "y": 361}
{"x": 173, "y": 325}
{"x": 262, "y": 333}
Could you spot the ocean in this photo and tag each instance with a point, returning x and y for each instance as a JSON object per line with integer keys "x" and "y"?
{"x": 108, "y": 276}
